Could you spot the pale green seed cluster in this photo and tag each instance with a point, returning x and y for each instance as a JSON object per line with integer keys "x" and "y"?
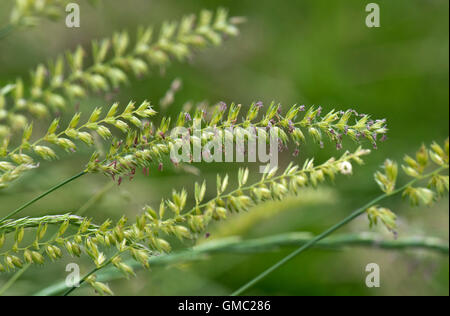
{"x": 19, "y": 160}
{"x": 429, "y": 167}
{"x": 153, "y": 143}
{"x": 435, "y": 157}
{"x": 378, "y": 214}
{"x": 28, "y": 12}
{"x": 17, "y": 255}
{"x": 68, "y": 77}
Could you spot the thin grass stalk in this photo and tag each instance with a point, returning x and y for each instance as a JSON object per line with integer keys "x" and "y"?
{"x": 328, "y": 232}
{"x": 56, "y": 187}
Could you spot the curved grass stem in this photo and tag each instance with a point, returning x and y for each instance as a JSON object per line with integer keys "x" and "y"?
{"x": 56, "y": 187}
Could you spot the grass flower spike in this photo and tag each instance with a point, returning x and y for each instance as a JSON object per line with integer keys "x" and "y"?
{"x": 114, "y": 59}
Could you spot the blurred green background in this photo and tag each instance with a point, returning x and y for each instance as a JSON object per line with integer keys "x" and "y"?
{"x": 314, "y": 52}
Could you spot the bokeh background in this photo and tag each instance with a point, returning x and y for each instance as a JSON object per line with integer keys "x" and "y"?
{"x": 314, "y": 52}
